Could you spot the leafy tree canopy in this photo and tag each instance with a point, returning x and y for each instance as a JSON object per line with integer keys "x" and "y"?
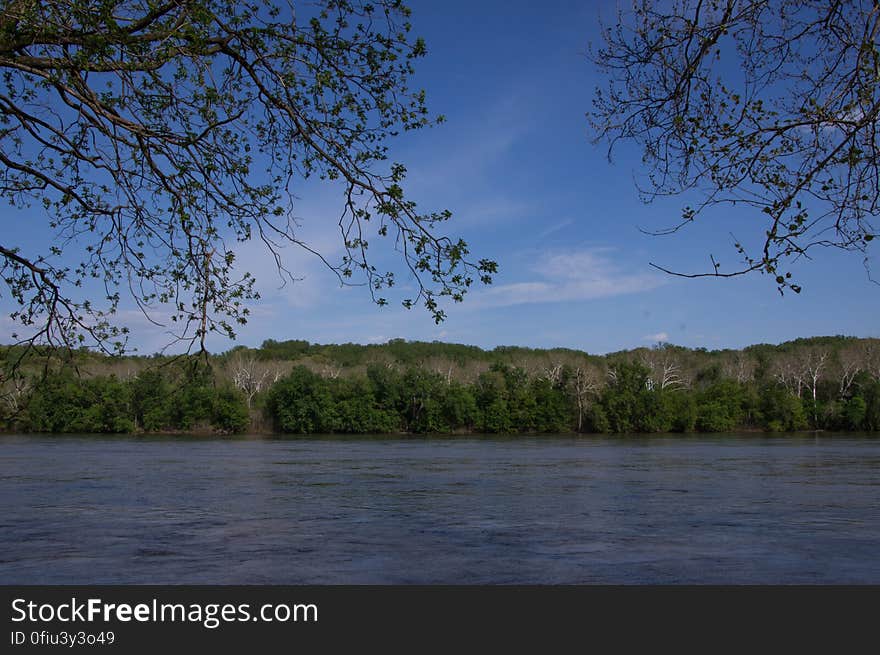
{"x": 768, "y": 106}
{"x": 159, "y": 135}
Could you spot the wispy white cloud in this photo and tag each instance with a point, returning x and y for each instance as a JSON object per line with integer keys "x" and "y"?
{"x": 556, "y": 227}
{"x": 304, "y": 280}
{"x": 472, "y": 146}
{"x": 492, "y": 211}
{"x": 586, "y": 274}
{"x": 467, "y": 157}
{"x": 303, "y": 291}
{"x": 656, "y": 338}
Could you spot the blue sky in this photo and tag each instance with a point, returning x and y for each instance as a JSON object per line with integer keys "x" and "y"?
{"x": 515, "y": 164}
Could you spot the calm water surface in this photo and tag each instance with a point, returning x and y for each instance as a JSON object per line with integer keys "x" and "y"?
{"x": 733, "y": 509}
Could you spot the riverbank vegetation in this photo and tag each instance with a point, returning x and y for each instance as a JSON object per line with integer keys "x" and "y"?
{"x": 822, "y": 383}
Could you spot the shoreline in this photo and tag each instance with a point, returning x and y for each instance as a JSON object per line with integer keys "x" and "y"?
{"x": 211, "y": 434}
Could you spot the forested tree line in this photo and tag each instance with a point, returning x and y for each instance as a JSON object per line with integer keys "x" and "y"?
{"x": 821, "y": 383}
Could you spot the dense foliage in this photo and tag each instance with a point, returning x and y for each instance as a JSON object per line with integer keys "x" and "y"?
{"x": 824, "y": 383}
{"x": 152, "y": 401}
{"x": 506, "y": 399}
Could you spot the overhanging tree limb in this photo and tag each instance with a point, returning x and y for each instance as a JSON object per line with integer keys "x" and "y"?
{"x": 768, "y": 106}
{"x": 157, "y": 136}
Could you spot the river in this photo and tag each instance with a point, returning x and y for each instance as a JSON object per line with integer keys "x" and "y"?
{"x": 550, "y": 509}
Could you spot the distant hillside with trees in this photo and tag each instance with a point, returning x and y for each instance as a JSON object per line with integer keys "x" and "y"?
{"x": 412, "y": 387}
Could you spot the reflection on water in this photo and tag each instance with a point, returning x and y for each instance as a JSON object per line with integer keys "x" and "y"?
{"x": 736, "y": 509}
